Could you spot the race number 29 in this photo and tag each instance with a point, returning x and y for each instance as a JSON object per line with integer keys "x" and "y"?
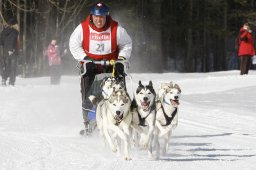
{"x": 100, "y": 47}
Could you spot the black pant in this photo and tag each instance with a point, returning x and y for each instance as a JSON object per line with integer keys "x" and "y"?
{"x": 8, "y": 66}
{"x": 55, "y": 74}
{"x": 245, "y": 64}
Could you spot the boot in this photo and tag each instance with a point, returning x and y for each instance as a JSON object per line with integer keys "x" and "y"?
{"x": 86, "y": 130}
{"x": 3, "y": 82}
{"x": 11, "y": 83}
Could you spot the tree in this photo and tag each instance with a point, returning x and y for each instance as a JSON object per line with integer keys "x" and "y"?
{"x": 170, "y": 35}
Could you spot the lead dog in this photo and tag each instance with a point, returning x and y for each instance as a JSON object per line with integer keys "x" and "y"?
{"x": 113, "y": 119}
{"x": 167, "y": 112}
{"x": 144, "y": 115}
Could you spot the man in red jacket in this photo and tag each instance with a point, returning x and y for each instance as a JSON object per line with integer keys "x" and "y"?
{"x": 98, "y": 38}
{"x": 246, "y": 48}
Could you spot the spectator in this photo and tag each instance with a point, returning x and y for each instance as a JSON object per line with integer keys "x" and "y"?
{"x": 9, "y": 41}
{"x": 246, "y": 49}
{"x": 54, "y": 60}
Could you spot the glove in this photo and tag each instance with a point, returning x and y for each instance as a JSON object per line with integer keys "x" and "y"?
{"x": 120, "y": 58}
{"x": 10, "y": 53}
{"x": 86, "y": 58}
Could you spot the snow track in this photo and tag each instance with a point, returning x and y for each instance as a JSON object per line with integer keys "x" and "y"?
{"x": 40, "y": 124}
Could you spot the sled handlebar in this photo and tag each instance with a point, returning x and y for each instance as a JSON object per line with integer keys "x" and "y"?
{"x": 103, "y": 63}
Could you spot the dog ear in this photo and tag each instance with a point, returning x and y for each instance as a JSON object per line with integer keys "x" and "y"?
{"x": 140, "y": 84}
{"x": 112, "y": 96}
{"x": 103, "y": 82}
{"x": 111, "y": 100}
{"x": 171, "y": 84}
{"x": 126, "y": 99}
{"x": 150, "y": 83}
{"x": 177, "y": 87}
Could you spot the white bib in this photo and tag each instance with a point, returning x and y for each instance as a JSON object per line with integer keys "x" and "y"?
{"x": 100, "y": 42}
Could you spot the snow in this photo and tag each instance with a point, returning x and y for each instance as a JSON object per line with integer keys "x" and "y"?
{"x": 40, "y": 124}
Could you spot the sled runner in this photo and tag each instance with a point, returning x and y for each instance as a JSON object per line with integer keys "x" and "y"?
{"x": 99, "y": 89}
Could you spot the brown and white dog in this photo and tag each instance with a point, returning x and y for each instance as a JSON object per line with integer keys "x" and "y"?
{"x": 114, "y": 119}
{"x": 167, "y": 112}
{"x": 107, "y": 86}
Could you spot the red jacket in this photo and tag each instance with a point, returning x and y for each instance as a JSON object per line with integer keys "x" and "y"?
{"x": 86, "y": 25}
{"x": 246, "y": 43}
{"x": 53, "y": 55}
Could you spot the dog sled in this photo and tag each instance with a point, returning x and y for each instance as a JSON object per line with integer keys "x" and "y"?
{"x": 96, "y": 88}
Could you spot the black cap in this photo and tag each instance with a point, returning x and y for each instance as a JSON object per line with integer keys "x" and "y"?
{"x": 12, "y": 21}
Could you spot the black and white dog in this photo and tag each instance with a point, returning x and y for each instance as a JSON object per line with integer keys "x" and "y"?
{"x": 144, "y": 115}
{"x": 167, "y": 112}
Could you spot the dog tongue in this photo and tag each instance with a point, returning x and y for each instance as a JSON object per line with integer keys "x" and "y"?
{"x": 118, "y": 118}
{"x": 175, "y": 102}
{"x": 145, "y": 105}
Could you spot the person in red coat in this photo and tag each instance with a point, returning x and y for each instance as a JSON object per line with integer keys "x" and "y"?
{"x": 54, "y": 60}
{"x": 246, "y": 48}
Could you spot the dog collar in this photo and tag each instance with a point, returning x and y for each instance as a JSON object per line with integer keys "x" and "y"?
{"x": 167, "y": 118}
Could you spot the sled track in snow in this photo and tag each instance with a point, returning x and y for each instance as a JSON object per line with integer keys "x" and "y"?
{"x": 207, "y": 127}
{"x": 25, "y": 148}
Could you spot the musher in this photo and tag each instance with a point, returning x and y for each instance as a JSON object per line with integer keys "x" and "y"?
{"x": 98, "y": 37}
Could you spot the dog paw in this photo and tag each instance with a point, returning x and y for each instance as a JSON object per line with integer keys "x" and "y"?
{"x": 163, "y": 153}
{"x": 145, "y": 144}
{"x": 114, "y": 150}
{"x": 153, "y": 158}
{"x": 135, "y": 144}
{"x": 127, "y": 158}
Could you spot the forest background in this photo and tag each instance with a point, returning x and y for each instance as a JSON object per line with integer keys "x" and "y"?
{"x": 168, "y": 35}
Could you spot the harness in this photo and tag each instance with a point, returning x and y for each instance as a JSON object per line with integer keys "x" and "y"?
{"x": 167, "y": 118}
{"x": 142, "y": 120}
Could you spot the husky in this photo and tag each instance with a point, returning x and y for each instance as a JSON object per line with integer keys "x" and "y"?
{"x": 107, "y": 86}
{"x": 113, "y": 119}
{"x": 144, "y": 115}
{"x": 167, "y": 112}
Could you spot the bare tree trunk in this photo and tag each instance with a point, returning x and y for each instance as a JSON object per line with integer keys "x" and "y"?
{"x": 154, "y": 34}
{"x": 205, "y": 56}
{"x": 1, "y": 28}
{"x": 24, "y": 43}
{"x": 18, "y": 11}
{"x": 225, "y": 16}
{"x": 57, "y": 18}
{"x": 188, "y": 59}
{"x": 1, "y": 17}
